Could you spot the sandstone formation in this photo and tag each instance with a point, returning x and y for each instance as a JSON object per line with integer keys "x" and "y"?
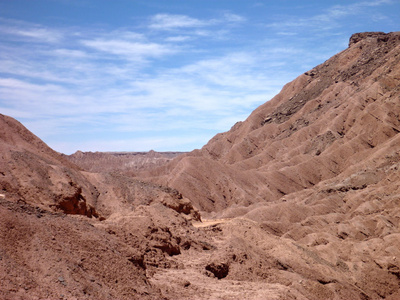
{"x": 300, "y": 201}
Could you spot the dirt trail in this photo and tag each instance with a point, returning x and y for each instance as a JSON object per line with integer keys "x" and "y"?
{"x": 210, "y": 222}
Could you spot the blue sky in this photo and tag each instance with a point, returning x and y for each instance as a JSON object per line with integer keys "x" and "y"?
{"x": 130, "y": 75}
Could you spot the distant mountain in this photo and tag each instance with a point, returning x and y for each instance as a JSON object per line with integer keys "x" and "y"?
{"x": 129, "y": 162}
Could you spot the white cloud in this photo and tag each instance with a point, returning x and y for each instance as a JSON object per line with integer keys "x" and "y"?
{"x": 337, "y": 12}
{"x": 17, "y": 30}
{"x": 327, "y": 20}
{"x": 379, "y": 17}
{"x": 168, "y": 21}
{"x": 377, "y": 2}
{"x": 71, "y": 53}
{"x": 40, "y": 34}
{"x": 230, "y": 17}
{"x": 179, "y": 38}
{"x": 125, "y": 35}
{"x": 15, "y": 84}
{"x": 136, "y": 51}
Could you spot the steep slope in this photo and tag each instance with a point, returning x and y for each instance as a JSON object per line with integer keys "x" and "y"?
{"x": 69, "y": 234}
{"x": 326, "y": 223}
{"x": 32, "y": 172}
{"x": 324, "y": 121}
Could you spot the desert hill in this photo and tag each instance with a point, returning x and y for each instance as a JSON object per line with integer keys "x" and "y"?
{"x": 32, "y": 172}
{"x": 300, "y": 201}
{"x": 70, "y": 234}
{"x": 319, "y": 125}
{"x": 317, "y": 166}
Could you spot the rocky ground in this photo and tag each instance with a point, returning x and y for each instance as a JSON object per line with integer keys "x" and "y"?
{"x": 300, "y": 201}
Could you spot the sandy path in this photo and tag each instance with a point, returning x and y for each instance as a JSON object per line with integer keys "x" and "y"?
{"x": 210, "y": 222}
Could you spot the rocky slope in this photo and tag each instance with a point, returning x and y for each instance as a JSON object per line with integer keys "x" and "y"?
{"x": 32, "y": 172}
{"x": 309, "y": 182}
{"x": 69, "y": 234}
{"x": 320, "y": 124}
{"x": 300, "y": 201}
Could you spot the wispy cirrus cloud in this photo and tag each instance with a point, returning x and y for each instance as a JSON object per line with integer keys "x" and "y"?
{"x": 135, "y": 51}
{"x": 328, "y": 19}
{"x": 233, "y": 18}
{"x": 39, "y": 34}
{"x": 339, "y": 11}
{"x": 178, "y": 38}
{"x": 71, "y": 53}
{"x": 34, "y": 33}
{"x": 169, "y": 21}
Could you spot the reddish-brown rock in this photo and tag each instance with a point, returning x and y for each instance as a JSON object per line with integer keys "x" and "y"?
{"x": 318, "y": 126}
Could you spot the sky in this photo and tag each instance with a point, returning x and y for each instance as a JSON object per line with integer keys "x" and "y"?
{"x": 163, "y": 75}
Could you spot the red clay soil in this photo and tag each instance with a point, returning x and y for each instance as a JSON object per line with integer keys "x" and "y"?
{"x": 300, "y": 201}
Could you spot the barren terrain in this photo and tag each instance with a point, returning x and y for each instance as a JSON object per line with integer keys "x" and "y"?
{"x": 300, "y": 201}
{"x": 128, "y": 162}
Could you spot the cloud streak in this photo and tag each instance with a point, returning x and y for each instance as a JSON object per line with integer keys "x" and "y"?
{"x": 135, "y": 51}
{"x": 35, "y": 34}
{"x": 328, "y": 19}
{"x": 168, "y": 22}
